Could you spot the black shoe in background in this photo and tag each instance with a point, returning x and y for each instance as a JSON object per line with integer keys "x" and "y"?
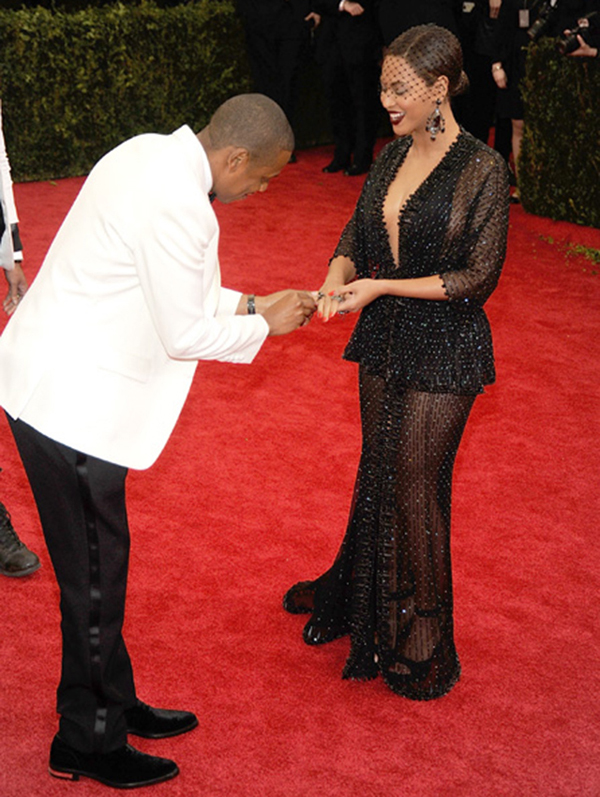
{"x": 335, "y": 166}
{"x": 356, "y": 169}
{"x": 16, "y": 559}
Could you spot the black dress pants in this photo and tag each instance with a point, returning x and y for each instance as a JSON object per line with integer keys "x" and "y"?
{"x": 81, "y": 503}
{"x": 351, "y": 89}
{"x": 275, "y": 60}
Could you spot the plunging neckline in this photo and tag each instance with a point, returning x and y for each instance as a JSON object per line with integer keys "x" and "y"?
{"x": 412, "y": 197}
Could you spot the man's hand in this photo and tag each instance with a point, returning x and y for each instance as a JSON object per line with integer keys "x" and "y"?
{"x": 315, "y": 18}
{"x": 499, "y": 76}
{"x": 17, "y": 288}
{"x": 354, "y": 9}
{"x": 495, "y": 8}
{"x": 292, "y": 310}
{"x": 584, "y": 50}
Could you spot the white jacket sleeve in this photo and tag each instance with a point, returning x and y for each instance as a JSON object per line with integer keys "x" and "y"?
{"x": 175, "y": 243}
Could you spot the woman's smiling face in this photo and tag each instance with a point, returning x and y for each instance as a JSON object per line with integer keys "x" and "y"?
{"x": 405, "y": 96}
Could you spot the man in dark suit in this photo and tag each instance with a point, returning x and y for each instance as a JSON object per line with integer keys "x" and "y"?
{"x": 348, "y": 50}
{"x": 396, "y": 16}
{"x": 277, "y": 35}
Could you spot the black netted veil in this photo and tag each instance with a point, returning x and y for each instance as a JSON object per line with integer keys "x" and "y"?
{"x": 421, "y": 365}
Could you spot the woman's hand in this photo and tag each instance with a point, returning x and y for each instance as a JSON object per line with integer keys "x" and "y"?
{"x": 328, "y": 303}
{"x": 356, "y": 295}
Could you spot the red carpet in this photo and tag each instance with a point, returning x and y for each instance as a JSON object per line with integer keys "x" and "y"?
{"x": 252, "y": 493}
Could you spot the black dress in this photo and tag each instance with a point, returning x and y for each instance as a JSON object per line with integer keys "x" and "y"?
{"x": 422, "y": 363}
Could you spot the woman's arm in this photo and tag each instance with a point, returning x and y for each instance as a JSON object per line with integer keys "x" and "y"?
{"x": 362, "y": 292}
{"x": 485, "y": 241}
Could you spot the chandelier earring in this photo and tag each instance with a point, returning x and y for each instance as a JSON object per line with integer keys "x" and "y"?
{"x": 435, "y": 121}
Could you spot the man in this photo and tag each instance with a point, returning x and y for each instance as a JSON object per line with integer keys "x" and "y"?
{"x": 16, "y": 560}
{"x": 94, "y": 370}
{"x": 348, "y": 50}
{"x": 277, "y": 39}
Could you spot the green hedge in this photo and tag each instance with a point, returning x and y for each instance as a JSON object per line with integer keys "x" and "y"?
{"x": 559, "y": 167}
{"x": 75, "y": 84}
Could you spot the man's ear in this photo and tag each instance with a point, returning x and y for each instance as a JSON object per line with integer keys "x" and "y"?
{"x": 237, "y": 158}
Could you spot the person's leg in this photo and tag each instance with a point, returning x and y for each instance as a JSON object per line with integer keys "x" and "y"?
{"x": 341, "y": 110}
{"x": 362, "y": 76}
{"x": 262, "y": 50}
{"x": 289, "y": 56}
{"x": 415, "y": 622}
{"x": 517, "y": 139}
{"x": 81, "y": 502}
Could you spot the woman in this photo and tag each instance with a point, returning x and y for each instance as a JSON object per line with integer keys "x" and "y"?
{"x": 519, "y": 23}
{"x": 421, "y": 254}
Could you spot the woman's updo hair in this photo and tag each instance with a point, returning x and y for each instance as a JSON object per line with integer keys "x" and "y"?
{"x": 432, "y": 51}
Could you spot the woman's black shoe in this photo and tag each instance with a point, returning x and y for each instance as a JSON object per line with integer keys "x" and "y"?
{"x": 320, "y": 635}
{"x": 300, "y": 599}
{"x": 124, "y": 768}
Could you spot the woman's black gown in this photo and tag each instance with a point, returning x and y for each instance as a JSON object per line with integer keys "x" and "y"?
{"x": 421, "y": 365}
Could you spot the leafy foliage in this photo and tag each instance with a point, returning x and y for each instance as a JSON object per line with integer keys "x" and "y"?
{"x": 559, "y": 166}
{"x": 75, "y": 84}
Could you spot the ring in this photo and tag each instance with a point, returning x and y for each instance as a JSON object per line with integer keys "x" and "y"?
{"x": 320, "y": 296}
{"x": 339, "y": 298}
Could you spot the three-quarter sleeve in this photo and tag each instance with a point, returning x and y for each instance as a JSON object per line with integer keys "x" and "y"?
{"x": 484, "y": 238}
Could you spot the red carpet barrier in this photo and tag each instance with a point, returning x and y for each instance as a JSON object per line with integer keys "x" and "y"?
{"x": 252, "y": 493}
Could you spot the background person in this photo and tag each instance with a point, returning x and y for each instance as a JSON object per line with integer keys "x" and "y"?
{"x": 94, "y": 370}
{"x": 517, "y": 22}
{"x": 277, "y": 39}
{"x": 15, "y": 558}
{"x": 397, "y": 16}
{"x": 347, "y": 48}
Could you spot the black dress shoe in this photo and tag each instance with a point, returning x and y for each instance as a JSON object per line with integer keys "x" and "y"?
{"x": 15, "y": 558}
{"x": 356, "y": 169}
{"x": 124, "y": 768}
{"x": 158, "y": 723}
{"x": 335, "y": 166}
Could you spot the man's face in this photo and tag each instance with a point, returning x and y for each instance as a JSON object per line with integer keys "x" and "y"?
{"x": 242, "y": 176}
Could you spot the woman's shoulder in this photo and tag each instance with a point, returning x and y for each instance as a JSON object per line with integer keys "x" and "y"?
{"x": 393, "y": 150}
{"x": 482, "y": 156}
{"x": 389, "y": 158}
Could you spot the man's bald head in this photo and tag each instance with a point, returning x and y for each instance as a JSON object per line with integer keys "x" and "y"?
{"x": 252, "y": 122}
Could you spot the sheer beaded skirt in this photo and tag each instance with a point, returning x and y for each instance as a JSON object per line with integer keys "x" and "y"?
{"x": 390, "y": 587}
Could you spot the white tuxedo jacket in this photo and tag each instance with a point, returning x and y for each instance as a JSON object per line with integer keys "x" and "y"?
{"x": 101, "y": 352}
